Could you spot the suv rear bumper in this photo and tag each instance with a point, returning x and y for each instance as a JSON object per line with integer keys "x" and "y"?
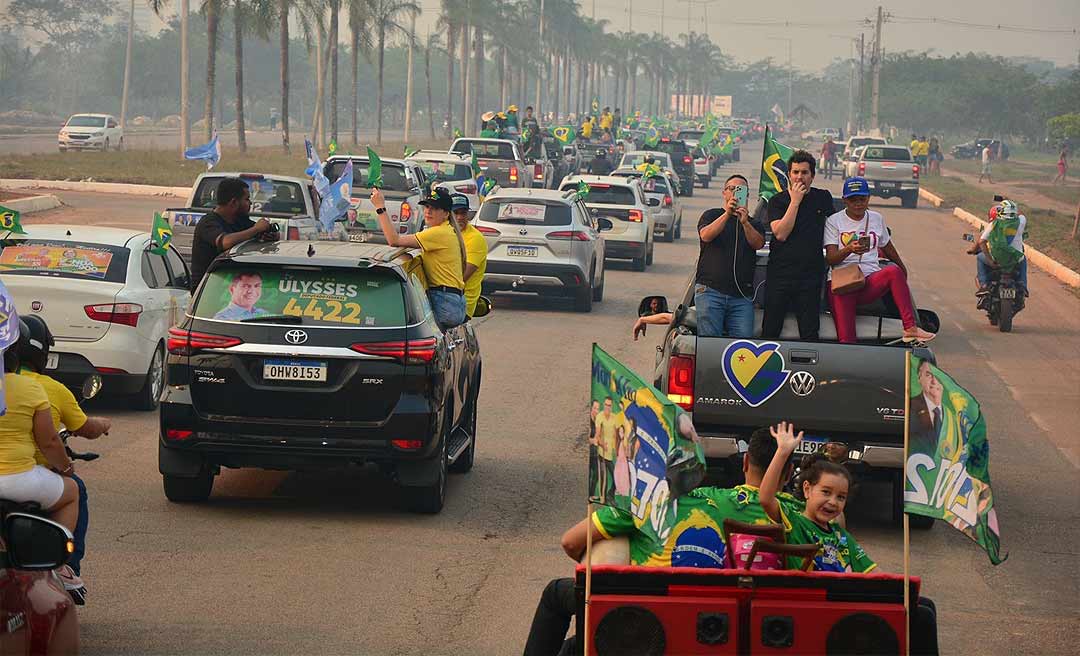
{"x": 877, "y": 189}
{"x": 533, "y": 276}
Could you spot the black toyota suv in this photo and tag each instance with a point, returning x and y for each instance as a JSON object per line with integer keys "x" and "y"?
{"x": 682, "y": 160}
{"x": 312, "y": 355}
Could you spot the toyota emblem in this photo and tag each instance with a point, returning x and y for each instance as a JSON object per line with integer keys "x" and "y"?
{"x": 295, "y": 336}
{"x": 523, "y": 231}
{"x": 802, "y": 383}
{"x": 37, "y": 306}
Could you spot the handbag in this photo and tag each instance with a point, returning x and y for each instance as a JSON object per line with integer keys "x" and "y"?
{"x": 849, "y": 278}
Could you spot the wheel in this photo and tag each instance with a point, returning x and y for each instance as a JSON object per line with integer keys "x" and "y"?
{"x": 120, "y": 144}
{"x": 150, "y": 395}
{"x": 429, "y": 499}
{"x": 668, "y": 235}
{"x": 920, "y": 522}
{"x": 690, "y": 188}
{"x": 464, "y": 463}
{"x": 105, "y": 147}
{"x": 678, "y": 229}
{"x": 639, "y": 263}
{"x": 649, "y": 255}
{"x": 1006, "y": 316}
{"x": 910, "y": 200}
{"x": 598, "y": 293}
{"x": 583, "y": 298}
{"x": 183, "y": 489}
{"x": 705, "y": 185}
{"x": 993, "y": 318}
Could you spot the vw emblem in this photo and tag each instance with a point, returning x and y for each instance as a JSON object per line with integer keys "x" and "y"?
{"x": 295, "y": 336}
{"x": 523, "y": 231}
{"x": 802, "y": 383}
{"x": 37, "y": 306}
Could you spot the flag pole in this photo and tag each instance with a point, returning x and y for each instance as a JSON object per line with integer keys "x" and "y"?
{"x": 588, "y": 575}
{"x": 907, "y": 521}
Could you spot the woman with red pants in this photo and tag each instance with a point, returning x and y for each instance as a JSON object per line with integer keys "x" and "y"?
{"x": 854, "y": 236}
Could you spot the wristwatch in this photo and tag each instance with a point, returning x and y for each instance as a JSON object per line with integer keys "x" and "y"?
{"x": 380, "y": 210}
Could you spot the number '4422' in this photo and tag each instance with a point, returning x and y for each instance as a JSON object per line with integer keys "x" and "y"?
{"x": 324, "y": 310}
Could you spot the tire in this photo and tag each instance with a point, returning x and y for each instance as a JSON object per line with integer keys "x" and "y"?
{"x": 105, "y": 146}
{"x": 910, "y": 200}
{"x": 649, "y": 254}
{"x": 1006, "y": 316}
{"x": 149, "y": 396}
{"x": 464, "y": 463}
{"x": 678, "y": 229}
{"x": 690, "y": 189}
{"x": 669, "y": 234}
{"x": 993, "y": 318}
{"x": 639, "y": 263}
{"x": 120, "y": 144}
{"x": 430, "y": 499}
{"x": 920, "y": 522}
{"x": 705, "y": 185}
{"x": 598, "y": 293}
{"x": 183, "y": 489}
{"x": 583, "y": 297}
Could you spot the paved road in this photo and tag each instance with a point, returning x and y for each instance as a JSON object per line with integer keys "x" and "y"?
{"x": 25, "y": 144}
{"x": 304, "y": 563}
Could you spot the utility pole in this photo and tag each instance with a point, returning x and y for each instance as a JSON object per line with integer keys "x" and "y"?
{"x": 876, "y": 62}
{"x": 185, "y": 99}
{"x": 862, "y": 75}
{"x": 790, "y": 75}
{"x": 409, "y": 79}
{"x": 127, "y": 64}
{"x": 662, "y": 2}
{"x": 629, "y": 15}
{"x": 851, "y": 94}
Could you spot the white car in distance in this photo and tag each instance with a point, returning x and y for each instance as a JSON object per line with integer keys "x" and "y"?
{"x": 91, "y": 132}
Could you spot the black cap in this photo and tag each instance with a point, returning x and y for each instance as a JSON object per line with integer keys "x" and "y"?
{"x": 439, "y": 198}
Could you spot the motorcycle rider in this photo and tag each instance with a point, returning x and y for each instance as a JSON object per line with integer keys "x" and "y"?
{"x": 601, "y": 165}
{"x": 986, "y": 262}
{"x": 33, "y": 351}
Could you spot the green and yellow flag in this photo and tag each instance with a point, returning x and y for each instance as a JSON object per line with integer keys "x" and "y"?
{"x": 948, "y": 457}
{"x": 652, "y": 136}
{"x": 564, "y": 134}
{"x": 160, "y": 235}
{"x": 582, "y": 190}
{"x": 1000, "y": 242}
{"x": 374, "y": 172}
{"x": 476, "y": 170}
{"x": 9, "y": 220}
{"x": 332, "y": 148}
{"x": 774, "y": 169}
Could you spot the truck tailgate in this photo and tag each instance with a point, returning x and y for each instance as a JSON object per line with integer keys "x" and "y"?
{"x": 823, "y": 388}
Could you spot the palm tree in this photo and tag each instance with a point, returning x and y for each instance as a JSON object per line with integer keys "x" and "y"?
{"x": 335, "y": 10}
{"x": 432, "y": 43}
{"x": 283, "y": 17}
{"x": 185, "y": 124}
{"x": 212, "y": 9}
{"x": 387, "y": 15}
{"x": 360, "y": 36}
{"x": 257, "y": 15}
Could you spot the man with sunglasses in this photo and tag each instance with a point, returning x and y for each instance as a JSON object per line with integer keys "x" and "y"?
{"x": 724, "y": 283}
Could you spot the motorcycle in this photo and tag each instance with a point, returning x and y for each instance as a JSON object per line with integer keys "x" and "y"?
{"x": 1004, "y": 298}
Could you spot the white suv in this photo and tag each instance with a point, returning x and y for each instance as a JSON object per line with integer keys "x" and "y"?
{"x": 91, "y": 132}
{"x": 623, "y": 201}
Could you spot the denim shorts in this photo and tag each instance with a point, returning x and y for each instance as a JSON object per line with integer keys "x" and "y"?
{"x": 449, "y": 308}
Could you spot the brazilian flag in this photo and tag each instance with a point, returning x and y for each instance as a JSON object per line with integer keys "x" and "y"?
{"x": 9, "y": 220}
{"x": 564, "y": 134}
{"x": 652, "y": 136}
{"x": 582, "y": 190}
{"x": 774, "y": 168}
{"x": 160, "y": 235}
{"x": 1000, "y": 242}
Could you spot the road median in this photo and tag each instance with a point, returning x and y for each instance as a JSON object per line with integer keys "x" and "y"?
{"x": 31, "y": 204}
{"x": 96, "y": 187}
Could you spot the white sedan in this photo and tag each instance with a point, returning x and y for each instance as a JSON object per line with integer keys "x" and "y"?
{"x": 108, "y": 301}
{"x": 91, "y": 132}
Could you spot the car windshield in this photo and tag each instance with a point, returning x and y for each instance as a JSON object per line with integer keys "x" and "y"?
{"x": 671, "y": 146}
{"x": 394, "y": 176}
{"x": 267, "y": 194}
{"x": 442, "y": 171}
{"x": 606, "y": 194}
{"x": 524, "y": 212}
{"x": 862, "y": 141}
{"x": 493, "y": 150}
{"x": 327, "y": 297}
{"x": 64, "y": 259}
{"x": 86, "y": 122}
{"x": 890, "y": 153}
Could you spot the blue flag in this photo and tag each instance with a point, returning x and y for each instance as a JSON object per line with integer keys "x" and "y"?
{"x": 315, "y": 168}
{"x": 9, "y": 332}
{"x": 208, "y": 152}
{"x": 336, "y": 201}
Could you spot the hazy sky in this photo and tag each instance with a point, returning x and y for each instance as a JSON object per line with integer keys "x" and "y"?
{"x": 817, "y": 45}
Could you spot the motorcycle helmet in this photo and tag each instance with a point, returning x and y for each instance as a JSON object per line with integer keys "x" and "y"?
{"x": 1008, "y": 210}
{"x": 35, "y": 340}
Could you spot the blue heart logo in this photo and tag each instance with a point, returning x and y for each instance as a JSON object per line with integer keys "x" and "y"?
{"x": 755, "y": 371}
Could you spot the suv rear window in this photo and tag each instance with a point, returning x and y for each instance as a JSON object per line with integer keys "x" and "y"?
{"x": 321, "y": 297}
{"x": 605, "y": 194}
{"x": 529, "y": 212}
{"x": 443, "y": 171}
{"x": 267, "y": 194}
{"x": 670, "y": 147}
{"x": 485, "y": 149}
{"x": 633, "y": 160}
{"x": 64, "y": 259}
{"x": 394, "y": 176}
{"x": 855, "y": 142}
{"x": 654, "y": 186}
{"x": 889, "y": 153}
{"x": 690, "y": 134}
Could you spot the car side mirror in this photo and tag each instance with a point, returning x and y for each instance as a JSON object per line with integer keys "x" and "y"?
{"x": 604, "y": 224}
{"x": 483, "y": 307}
{"x": 654, "y": 202}
{"x": 652, "y": 305}
{"x": 35, "y": 543}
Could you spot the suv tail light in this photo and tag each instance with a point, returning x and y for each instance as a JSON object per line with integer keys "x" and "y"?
{"x": 636, "y": 216}
{"x": 667, "y": 201}
{"x": 416, "y": 351}
{"x": 862, "y": 168}
{"x": 680, "y": 383}
{"x": 293, "y": 233}
{"x": 491, "y": 232}
{"x": 182, "y": 341}
{"x": 569, "y": 235}
{"x": 406, "y": 211}
{"x": 513, "y": 174}
{"x": 538, "y": 171}
{"x": 915, "y": 171}
{"x": 126, "y": 314}
{"x": 686, "y": 159}
{"x": 466, "y": 188}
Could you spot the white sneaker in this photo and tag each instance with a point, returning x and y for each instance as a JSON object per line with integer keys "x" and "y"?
{"x": 72, "y": 584}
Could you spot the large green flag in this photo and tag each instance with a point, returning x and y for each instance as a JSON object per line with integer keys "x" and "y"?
{"x": 774, "y": 170}
{"x": 160, "y": 235}
{"x": 564, "y": 134}
{"x": 9, "y": 220}
{"x": 374, "y": 172}
{"x": 640, "y": 461}
{"x": 948, "y": 459}
{"x": 1000, "y": 242}
{"x": 582, "y": 190}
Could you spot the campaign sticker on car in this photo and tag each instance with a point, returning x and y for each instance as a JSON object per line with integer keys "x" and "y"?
{"x": 522, "y": 211}
{"x": 810, "y": 444}
{"x": 367, "y": 220}
{"x": 522, "y": 251}
{"x": 294, "y": 370}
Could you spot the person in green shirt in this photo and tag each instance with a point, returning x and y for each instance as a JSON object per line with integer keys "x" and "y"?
{"x": 825, "y": 486}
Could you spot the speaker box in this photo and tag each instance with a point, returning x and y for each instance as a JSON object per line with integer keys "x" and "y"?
{"x": 797, "y": 626}
{"x": 650, "y": 626}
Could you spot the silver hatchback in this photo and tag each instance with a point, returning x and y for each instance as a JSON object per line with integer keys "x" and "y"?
{"x": 545, "y": 242}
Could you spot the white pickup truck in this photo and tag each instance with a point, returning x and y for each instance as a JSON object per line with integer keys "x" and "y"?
{"x": 402, "y": 182}
{"x": 891, "y": 171}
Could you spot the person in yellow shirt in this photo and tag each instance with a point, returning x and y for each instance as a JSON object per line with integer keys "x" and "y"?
{"x": 606, "y": 119}
{"x": 443, "y": 254}
{"x": 586, "y": 128}
{"x": 476, "y": 251}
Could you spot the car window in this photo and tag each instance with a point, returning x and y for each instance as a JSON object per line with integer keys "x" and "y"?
{"x": 394, "y": 176}
{"x": 890, "y": 153}
{"x": 606, "y": 194}
{"x": 655, "y": 185}
{"x": 156, "y": 265}
{"x": 527, "y": 212}
{"x": 329, "y": 297}
{"x": 267, "y": 194}
{"x": 443, "y": 171}
{"x": 112, "y": 123}
{"x": 493, "y": 150}
{"x": 64, "y": 259}
{"x": 178, "y": 273}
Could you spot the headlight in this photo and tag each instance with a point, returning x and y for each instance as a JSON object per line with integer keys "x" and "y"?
{"x": 99, "y": 133}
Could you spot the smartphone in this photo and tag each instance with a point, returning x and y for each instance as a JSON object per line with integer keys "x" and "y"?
{"x": 969, "y": 237}
{"x": 864, "y": 241}
{"x": 998, "y": 198}
{"x": 742, "y": 195}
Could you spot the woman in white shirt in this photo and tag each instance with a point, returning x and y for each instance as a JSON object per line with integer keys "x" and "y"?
{"x": 854, "y": 236}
